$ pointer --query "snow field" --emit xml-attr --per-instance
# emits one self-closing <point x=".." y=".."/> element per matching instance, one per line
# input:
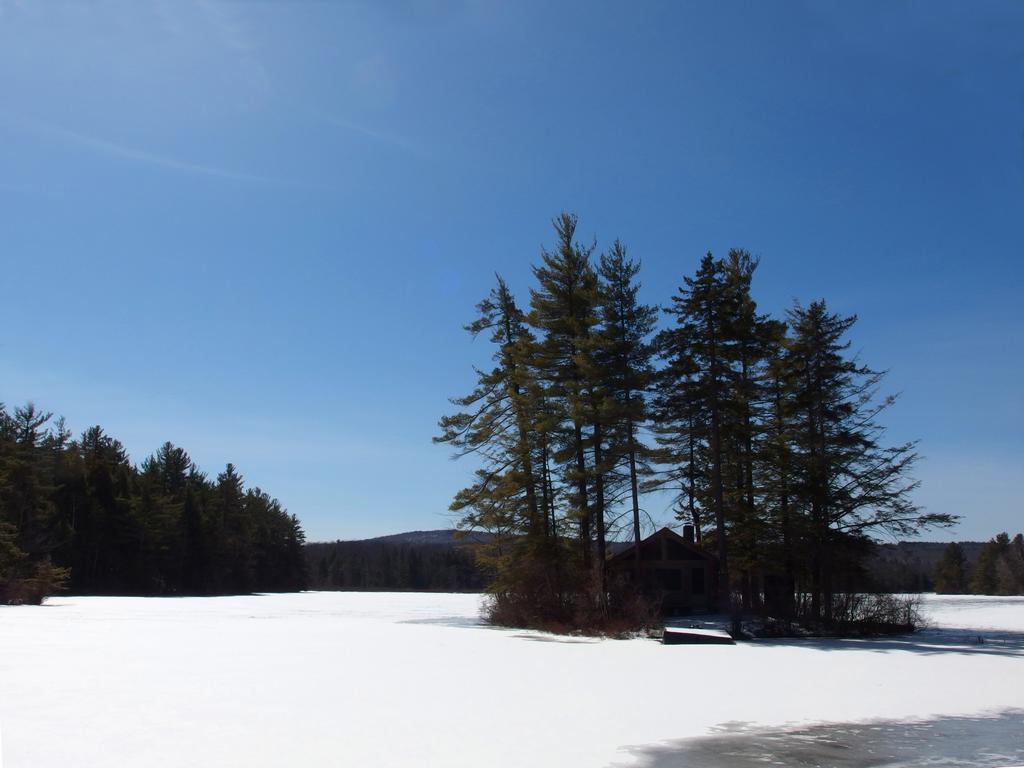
<point x="383" y="679"/>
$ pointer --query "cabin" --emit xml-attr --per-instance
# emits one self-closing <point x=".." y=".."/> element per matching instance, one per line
<point x="672" y="567"/>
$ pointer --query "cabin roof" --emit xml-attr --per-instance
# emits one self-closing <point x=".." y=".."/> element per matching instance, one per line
<point x="627" y="553"/>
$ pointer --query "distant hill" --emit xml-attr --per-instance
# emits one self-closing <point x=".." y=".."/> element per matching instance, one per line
<point x="444" y="536"/>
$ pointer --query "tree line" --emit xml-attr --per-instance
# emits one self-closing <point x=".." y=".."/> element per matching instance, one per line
<point x="77" y="514"/>
<point x="906" y="567"/>
<point x="766" y="431"/>
<point x="381" y="565"/>
<point x="999" y="569"/>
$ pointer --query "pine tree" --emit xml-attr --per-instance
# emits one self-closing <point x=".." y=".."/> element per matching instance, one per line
<point x="753" y="341"/>
<point x="29" y="484"/>
<point x="1010" y="567"/>
<point x="787" y="533"/>
<point x="106" y="536"/>
<point x="623" y="357"/>
<point x="848" y="483"/>
<point x="232" y="525"/>
<point x="697" y="384"/>
<point x="12" y="559"/>
<point x="31" y="529"/>
<point x="193" y="546"/>
<point x="985" y="580"/>
<point x="563" y="309"/>
<point x="951" y="572"/>
<point x="677" y="422"/>
<point x="510" y="496"/>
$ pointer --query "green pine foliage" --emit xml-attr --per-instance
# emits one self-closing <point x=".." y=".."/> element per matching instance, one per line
<point x="556" y="427"/>
<point x="985" y="578"/>
<point x="507" y="425"/>
<point x="623" y="354"/>
<point x="75" y="514"/>
<point x="564" y="314"/>
<point x="768" y="431"/>
<point x="850" y="484"/>
<point x="1011" y="567"/>
<point x="951" y="572"/>
<point x="394" y="567"/>
<point x="713" y="402"/>
<point x="1000" y="567"/>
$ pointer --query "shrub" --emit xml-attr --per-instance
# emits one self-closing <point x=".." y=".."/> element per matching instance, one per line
<point x="877" y="613"/>
<point x="42" y="580"/>
<point x="855" y="614"/>
<point x="627" y="611"/>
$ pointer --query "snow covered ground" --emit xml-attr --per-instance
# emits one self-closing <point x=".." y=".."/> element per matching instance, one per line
<point x="372" y="679"/>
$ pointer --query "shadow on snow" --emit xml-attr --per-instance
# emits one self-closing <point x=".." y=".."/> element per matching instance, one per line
<point x="955" y="741"/>
<point x="927" y="642"/>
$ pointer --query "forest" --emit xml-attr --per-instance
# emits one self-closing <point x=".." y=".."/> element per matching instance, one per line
<point x="406" y="562"/>
<point x="998" y="569"/>
<point x="766" y="431"/>
<point x="77" y="515"/>
<point x="393" y="566"/>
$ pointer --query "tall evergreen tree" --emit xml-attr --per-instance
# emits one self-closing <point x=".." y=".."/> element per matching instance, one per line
<point x="31" y="529"/>
<point x="623" y="356"/>
<point x="563" y="309"/>
<point x="985" y="580"/>
<point x="677" y="422"/>
<point x="1010" y="568"/>
<point x="511" y="497"/>
<point x="232" y="524"/>
<point x="849" y="484"/>
<point x="698" y="351"/>
<point x="788" y="534"/>
<point x="951" y="572"/>
<point x="753" y="338"/>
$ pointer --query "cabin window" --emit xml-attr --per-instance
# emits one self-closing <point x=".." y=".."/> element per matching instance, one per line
<point x="670" y="579"/>
<point x="698" y="581"/>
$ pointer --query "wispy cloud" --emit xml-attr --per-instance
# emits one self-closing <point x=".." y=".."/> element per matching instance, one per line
<point x="230" y="29"/>
<point x="231" y="32"/>
<point x="134" y="154"/>
<point x="382" y="136"/>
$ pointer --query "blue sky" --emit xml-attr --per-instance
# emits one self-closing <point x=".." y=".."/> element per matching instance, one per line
<point x="256" y="228"/>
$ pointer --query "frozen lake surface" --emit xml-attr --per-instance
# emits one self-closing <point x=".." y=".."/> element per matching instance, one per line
<point x="946" y="741"/>
<point x="380" y="679"/>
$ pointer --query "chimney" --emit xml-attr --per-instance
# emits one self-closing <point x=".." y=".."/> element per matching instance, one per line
<point x="688" y="533"/>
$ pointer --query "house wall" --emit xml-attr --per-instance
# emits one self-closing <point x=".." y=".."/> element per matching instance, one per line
<point x="667" y="567"/>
